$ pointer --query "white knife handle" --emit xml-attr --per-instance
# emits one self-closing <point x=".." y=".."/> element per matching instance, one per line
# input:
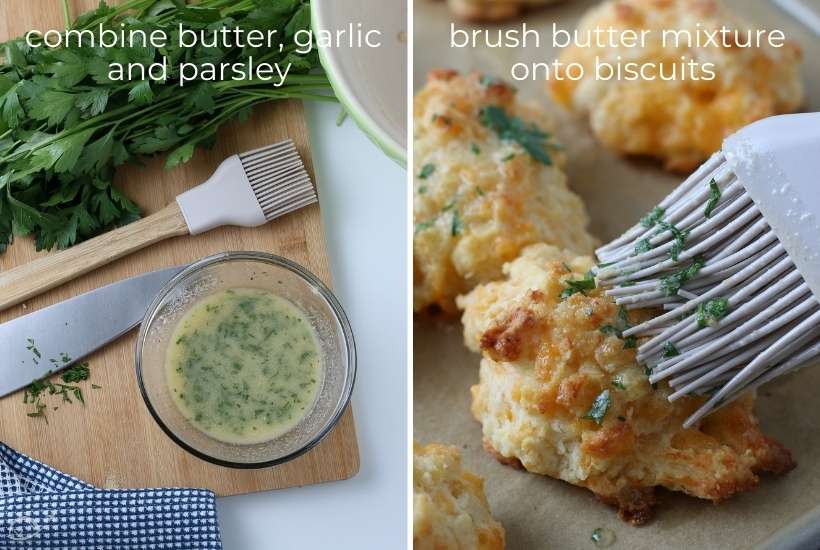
<point x="21" y="283"/>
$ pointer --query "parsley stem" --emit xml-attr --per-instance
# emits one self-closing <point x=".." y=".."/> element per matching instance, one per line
<point x="67" y="14"/>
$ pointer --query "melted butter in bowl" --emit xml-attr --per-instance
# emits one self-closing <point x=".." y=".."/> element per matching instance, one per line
<point x="244" y="366"/>
<point x="246" y="360"/>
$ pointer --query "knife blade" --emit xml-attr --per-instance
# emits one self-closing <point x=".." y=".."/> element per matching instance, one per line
<point x="55" y="337"/>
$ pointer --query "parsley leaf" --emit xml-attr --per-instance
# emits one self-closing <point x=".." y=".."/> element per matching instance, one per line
<point x="621" y="324"/>
<point x="653" y="217"/>
<point x="679" y="236"/>
<point x="671" y="284"/>
<point x="37" y="391"/>
<point x="457" y="224"/>
<point x="599" y="407"/>
<point x="642" y="246"/>
<point x="427" y="170"/>
<point x="711" y="312"/>
<point x="610" y="330"/>
<point x="579" y="285"/>
<point x="76" y="373"/>
<point x="714" y="198"/>
<point x="670" y="350"/>
<point x="423" y="226"/>
<point x="511" y="128"/>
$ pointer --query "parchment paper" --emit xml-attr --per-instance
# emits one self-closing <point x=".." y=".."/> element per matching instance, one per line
<point x="543" y="513"/>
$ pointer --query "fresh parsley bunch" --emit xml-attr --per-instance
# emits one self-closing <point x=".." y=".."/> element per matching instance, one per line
<point x="65" y="126"/>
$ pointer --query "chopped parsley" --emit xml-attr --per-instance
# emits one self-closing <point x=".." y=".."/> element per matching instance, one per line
<point x="610" y="330"/>
<point x="39" y="411"/>
<point x="671" y="284"/>
<point x="653" y="217"/>
<point x="427" y="171"/>
<point x="578" y="286"/>
<point x="33" y="349"/>
<point x="508" y="157"/>
<point x="422" y="189"/>
<point x="38" y="389"/>
<point x="622" y="323"/>
<point x="669" y="350"/>
<point x="599" y="408"/>
<point x="511" y="128"/>
<point x="618" y="382"/>
<point x="648" y="372"/>
<point x="457" y="224"/>
<point x="623" y="317"/>
<point x="76" y="373"/>
<point x="712" y="311"/>
<point x="426" y="224"/>
<point x="679" y="236"/>
<point x="475" y="149"/>
<point x="714" y="198"/>
<point x="642" y="246"/>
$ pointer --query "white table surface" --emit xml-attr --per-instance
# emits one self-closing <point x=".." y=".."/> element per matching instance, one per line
<point x="363" y="196"/>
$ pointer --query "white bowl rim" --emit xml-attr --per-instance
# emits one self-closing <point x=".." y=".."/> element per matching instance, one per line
<point x="348" y="99"/>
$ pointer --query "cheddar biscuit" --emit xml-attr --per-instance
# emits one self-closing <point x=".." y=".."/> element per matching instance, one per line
<point x="561" y="394"/>
<point x="450" y="511"/>
<point x="680" y="121"/>
<point x="488" y="181"/>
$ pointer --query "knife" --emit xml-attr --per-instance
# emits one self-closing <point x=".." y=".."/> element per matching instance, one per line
<point x="55" y="337"/>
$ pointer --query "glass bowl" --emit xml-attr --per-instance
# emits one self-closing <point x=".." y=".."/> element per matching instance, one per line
<point x="285" y="279"/>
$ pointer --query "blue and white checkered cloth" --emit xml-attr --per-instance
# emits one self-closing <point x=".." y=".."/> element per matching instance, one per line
<point x="44" y="509"/>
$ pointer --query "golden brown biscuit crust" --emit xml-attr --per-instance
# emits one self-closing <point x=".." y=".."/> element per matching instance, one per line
<point x="546" y="361"/>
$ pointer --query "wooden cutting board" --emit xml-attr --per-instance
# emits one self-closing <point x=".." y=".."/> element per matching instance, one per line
<point x="113" y="441"/>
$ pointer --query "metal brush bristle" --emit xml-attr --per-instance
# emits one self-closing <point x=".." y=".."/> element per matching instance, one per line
<point x="737" y="311"/>
<point x="278" y="178"/>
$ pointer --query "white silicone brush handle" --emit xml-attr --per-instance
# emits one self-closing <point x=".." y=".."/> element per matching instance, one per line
<point x="227" y="198"/>
<point x="777" y="160"/>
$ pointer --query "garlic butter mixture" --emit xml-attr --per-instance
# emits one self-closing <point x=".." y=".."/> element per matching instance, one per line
<point x="244" y="366"/>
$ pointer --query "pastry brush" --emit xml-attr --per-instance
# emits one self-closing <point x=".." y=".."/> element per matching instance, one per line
<point x="246" y="190"/>
<point x="732" y="256"/>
